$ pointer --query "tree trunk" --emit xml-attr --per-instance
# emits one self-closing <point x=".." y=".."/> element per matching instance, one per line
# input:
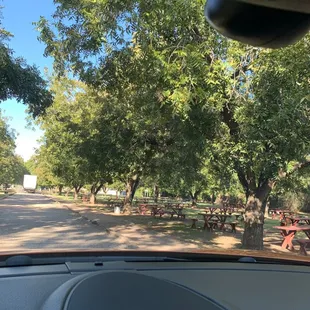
<point x="92" y="198"/>
<point x="194" y="197"/>
<point x="156" y="193"/>
<point x="76" y="193"/>
<point x="253" y="225"/>
<point x="254" y="217"/>
<point x="60" y="187"/>
<point x="77" y="189"/>
<point x="95" y="188"/>
<point x="267" y="209"/>
<point x="213" y="198"/>
<point x="131" y="187"/>
<point x="135" y="187"/>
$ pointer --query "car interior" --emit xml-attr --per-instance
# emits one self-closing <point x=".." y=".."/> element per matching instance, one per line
<point x="150" y="281"/>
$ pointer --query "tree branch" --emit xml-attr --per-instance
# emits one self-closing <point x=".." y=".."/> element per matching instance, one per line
<point x="228" y="119"/>
<point x="99" y="188"/>
<point x="242" y="178"/>
<point x="296" y="167"/>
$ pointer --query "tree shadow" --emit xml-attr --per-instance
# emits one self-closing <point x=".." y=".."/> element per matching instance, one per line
<point x="31" y="222"/>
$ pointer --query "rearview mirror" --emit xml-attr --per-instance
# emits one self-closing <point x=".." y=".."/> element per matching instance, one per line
<point x="259" y="25"/>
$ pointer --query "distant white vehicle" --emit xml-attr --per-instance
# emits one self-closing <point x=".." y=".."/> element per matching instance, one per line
<point x="112" y="192"/>
<point x="30" y="183"/>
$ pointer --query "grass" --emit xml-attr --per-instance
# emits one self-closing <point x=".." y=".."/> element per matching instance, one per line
<point x="64" y="197"/>
<point x="270" y="223"/>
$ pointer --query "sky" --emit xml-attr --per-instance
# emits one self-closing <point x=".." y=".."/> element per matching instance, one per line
<point x="18" y="16"/>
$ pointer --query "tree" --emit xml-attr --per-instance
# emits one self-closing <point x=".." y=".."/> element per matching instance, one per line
<point x="12" y="166"/>
<point x="249" y="105"/>
<point x="267" y="127"/>
<point x="39" y="165"/>
<point x="19" y="80"/>
<point x="19" y="169"/>
<point x="158" y="117"/>
<point x="71" y="136"/>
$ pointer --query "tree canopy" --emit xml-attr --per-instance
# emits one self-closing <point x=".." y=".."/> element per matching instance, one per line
<point x="12" y="168"/>
<point x="178" y="94"/>
<point x="21" y="81"/>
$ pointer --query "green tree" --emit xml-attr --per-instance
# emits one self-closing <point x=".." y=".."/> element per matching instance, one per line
<point x="71" y="136"/>
<point x="12" y="166"/>
<point x="19" y="80"/>
<point x="251" y="105"/>
<point x="39" y="165"/>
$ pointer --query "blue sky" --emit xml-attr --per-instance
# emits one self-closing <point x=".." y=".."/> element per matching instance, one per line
<point x="18" y="16"/>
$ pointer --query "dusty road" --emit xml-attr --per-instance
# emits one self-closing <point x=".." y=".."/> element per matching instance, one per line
<point x="32" y="221"/>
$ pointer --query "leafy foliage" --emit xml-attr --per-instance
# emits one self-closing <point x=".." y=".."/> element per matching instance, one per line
<point x="21" y="81"/>
<point x="12" y="166"/>
<point x="178" y="95"/>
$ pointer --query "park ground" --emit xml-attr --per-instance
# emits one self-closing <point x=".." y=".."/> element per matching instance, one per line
<point x="34" y="222"/>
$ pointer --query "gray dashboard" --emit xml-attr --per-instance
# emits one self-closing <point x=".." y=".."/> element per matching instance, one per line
<point x="156" y="285"/>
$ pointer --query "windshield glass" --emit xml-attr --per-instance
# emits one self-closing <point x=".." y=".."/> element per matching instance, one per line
<point x="134" y="125"/>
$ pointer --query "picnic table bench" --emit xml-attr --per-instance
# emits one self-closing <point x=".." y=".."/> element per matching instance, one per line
<point x="288" y="233"/>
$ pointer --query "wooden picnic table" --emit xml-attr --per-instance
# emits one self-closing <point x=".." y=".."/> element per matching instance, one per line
<point x="207" y="220"/>
<point x="288" y="233"/>
<point x="222" y="219"/>
<point x="143" y="208"/>
<point x="297" y="219"/>
<point x="175" y="209"/>
<point x="280" y="212"/>
<point x="214" y="219"/>
<point x="212" y="209"/>
<point x="156" y="210"/>
<point x="223" y="210"/>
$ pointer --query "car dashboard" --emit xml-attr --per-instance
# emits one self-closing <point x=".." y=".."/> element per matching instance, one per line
<point x="154" y="285"/>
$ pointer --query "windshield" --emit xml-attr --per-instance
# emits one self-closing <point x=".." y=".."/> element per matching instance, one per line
<point x="134" y="125"/>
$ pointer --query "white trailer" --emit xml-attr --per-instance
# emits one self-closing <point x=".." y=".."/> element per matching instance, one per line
<point x="30" y="183"/>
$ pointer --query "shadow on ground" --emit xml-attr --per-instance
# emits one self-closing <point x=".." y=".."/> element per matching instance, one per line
<point x="36" y="222"/>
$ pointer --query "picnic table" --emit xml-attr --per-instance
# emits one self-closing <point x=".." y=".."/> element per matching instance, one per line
<point x="221" y="209"/>
<point x="156" y="210"/>
<point x="217" y="209"/>
<point x="208" y="223"/>
<point x="212" y="220"/>
<point x="280" y="212"/>
<point x="211" y="209"/>
<point x="297" y="219"/>
<point x="288" y="233"/>
<point x="175" y="209"/>
<point x="143" y="208"/>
